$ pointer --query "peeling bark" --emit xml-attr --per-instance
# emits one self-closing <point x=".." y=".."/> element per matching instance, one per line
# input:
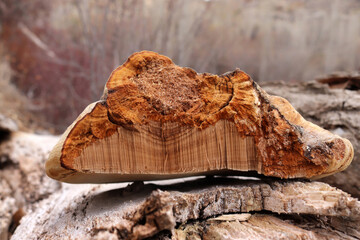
<point x="143" y="211"/>
<point x="262" y="226"/>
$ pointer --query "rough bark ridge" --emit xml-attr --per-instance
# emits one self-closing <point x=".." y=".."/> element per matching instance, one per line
<point x="166" y="211"/>
<point x="334" y="109"/>
<point x="150" y="99"/>
<point x="261" y="226"/>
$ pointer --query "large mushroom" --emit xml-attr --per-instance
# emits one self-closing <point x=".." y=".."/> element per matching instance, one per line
<point x="157" y="120"/>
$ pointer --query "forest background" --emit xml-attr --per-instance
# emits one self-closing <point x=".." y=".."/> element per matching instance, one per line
<point x="55" y="56"/>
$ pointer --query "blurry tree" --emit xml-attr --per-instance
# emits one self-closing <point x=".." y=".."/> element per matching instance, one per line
<point x="50" y="76"/>
<point x="62" y="52"/>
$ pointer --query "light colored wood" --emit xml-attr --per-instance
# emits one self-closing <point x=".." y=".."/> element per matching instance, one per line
<point x="259" y="227"/>
<point x="171" y="148"/>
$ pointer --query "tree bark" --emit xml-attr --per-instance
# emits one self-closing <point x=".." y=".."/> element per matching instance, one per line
<point x="22" y="175"/>
<point x="185" y="209"/>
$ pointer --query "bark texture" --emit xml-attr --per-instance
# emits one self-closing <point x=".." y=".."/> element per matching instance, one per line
<point x="262" y="226"/>
<point x="336" y="110"/>
<point x="187" y="209"/>
<point x="22" y="178"/>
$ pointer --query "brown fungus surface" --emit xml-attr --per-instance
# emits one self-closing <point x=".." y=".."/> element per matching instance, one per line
<point x="157" y="120"/>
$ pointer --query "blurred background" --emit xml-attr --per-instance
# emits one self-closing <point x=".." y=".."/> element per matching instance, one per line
<point x="55" y="56"/>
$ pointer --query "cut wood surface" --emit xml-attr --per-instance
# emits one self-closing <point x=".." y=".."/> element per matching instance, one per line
<point x="185" y="208"/>
<point x="157" y="120"/>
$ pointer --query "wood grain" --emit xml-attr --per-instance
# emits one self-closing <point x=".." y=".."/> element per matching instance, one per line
<point x="157" y="120"/>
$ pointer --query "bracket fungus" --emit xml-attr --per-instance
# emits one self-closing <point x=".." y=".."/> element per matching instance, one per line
<point x="157" y="120"/>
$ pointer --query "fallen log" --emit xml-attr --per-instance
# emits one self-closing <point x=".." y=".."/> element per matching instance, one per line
<point x="342" y="80"/>
<point x="184" y="207"/>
